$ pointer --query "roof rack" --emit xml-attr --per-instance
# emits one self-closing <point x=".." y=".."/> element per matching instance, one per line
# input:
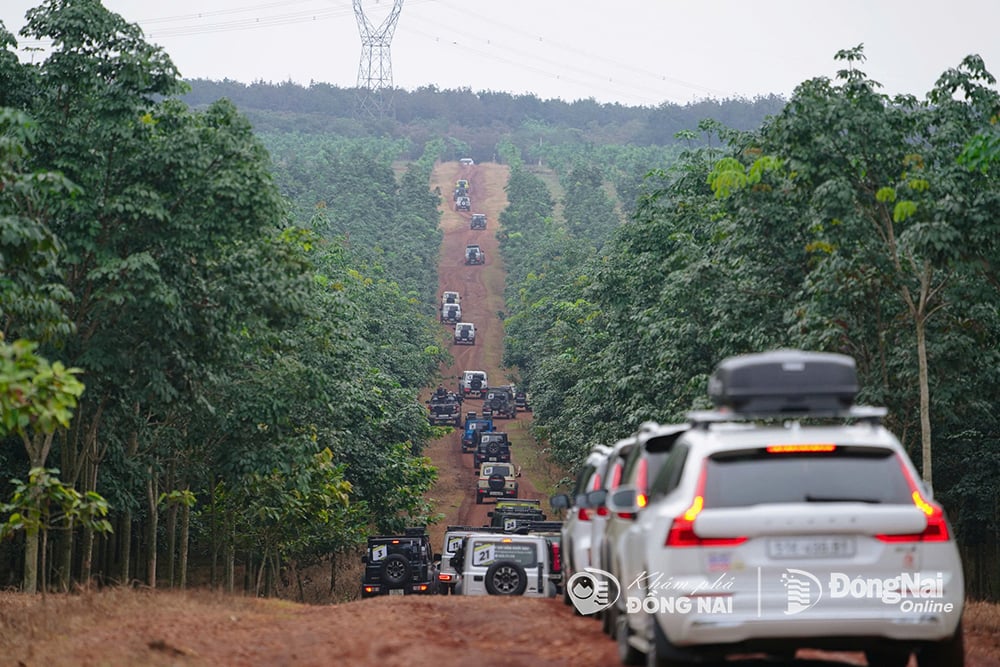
<point x="860" y="413"/>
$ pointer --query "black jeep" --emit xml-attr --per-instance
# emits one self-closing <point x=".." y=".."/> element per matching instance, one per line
<point x="400" y="565"/>
<point x="445" y="409"/>
<point x="492" y="446"/>
<point x="499" y="402"/>
<point x="509" y="515"/>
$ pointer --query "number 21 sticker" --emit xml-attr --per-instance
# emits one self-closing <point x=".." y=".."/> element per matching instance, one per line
<point x="483" y="554"/>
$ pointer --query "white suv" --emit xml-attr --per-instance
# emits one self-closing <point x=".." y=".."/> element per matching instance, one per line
<point x="495" y="564"/>
<point x="788" y="518"/>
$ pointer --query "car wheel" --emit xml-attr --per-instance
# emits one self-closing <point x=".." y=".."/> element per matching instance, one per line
<point x="877" y="658"/>
<point x="609" y="621"/>
<point x="493" y="448"/>
<point x="506" y="577"/>
<point x="659" y="644"/>
<point x="628" y="654"/>
<point x="948" y="652"/>
<point x="395" y="570"/>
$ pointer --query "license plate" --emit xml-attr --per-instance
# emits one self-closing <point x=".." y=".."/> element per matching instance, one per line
<point x="395" y="591"/>
<point x="812" y="547"/>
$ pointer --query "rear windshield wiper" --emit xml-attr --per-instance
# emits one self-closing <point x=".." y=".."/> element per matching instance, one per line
<point x="836" y="499"/>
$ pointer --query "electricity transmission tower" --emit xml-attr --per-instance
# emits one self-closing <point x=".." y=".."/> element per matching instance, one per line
<point x="375" y="71"/>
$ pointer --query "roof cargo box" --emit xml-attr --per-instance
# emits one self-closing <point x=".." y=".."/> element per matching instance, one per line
<point x="785" y="381"/>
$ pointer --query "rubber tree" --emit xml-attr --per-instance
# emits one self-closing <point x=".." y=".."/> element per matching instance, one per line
<point x="888" y="201"/>
<point x="37" y="398"/>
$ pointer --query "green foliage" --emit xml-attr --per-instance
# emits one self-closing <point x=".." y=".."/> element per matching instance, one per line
<point x="35" y="396"/>
<point x="44" y="503"/>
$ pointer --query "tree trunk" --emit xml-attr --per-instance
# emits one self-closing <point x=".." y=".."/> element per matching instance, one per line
<point x="185" y="532"/>
<point x="30" y="582"/>
<point x="925" y="403"/>
<point x="171" y="542"/>
<point x="230" y="565"/>
<point x="125" y="537"/>
<point x="151" y="497"/>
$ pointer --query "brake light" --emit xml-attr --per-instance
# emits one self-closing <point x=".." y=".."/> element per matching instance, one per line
<point x="444" y="577"/>
<point x="602" y="511"/>
<point x="937" y="526"/>
<point x="616" y="476"/>
<point x="369" y="589"/>
<point x="556" y="565"/>
<point x="422" y="587"/>
<point x="583" y="514"/>
<point x="681" y="533"/>
<point x="800" y="449"/>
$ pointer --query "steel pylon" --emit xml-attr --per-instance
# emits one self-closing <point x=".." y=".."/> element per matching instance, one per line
<point x="375" y="70"/>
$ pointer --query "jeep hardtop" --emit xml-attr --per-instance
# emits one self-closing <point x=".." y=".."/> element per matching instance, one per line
<point x="399" y="565"/>
<point x="493" y="446"/>
<point x="497" y="480"/>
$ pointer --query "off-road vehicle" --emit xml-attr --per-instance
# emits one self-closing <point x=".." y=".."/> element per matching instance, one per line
<point x="478" y="221"/>
<point x="474" y="427"/>
<point x="463" y="203"/>
<point x="492" y="446"/>
<point x="499" y="402"/>
<point x="454" y="536"/>
<point x="497" y="480"/>
<point x="515" y="513"/>
<point x="451" y="312"/>
<point x="445" y="409"/>
<point x="521" y="401"/>
<point x="467" y="162"/>
<point x="462" y="184"/>
<point x="474" y="254"/>
<point x="465" y="333"/>
<point x="449" y="296"/>
<point x="400" y="565"/>
<point x="473" y="384"/>
<point x="493" y="564"/>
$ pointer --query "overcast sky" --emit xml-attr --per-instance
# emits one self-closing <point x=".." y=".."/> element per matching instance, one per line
<point x="637" y="52"/>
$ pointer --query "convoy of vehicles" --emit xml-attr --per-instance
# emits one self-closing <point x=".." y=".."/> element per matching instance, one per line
<point x="786" y="518"/>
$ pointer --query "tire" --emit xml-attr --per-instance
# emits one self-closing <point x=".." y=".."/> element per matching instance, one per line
<point x="506" y="577"/>
<point x="493" y="448"/>
<point x="948" y="652"/>
<point x="479" y="499"/>
<point x="396" y="570"/>
<point x="659" y="644"/>
<point x="609" y="621"/>
<point x="878" y="658"/>
<point x="496" y="482"/>
<point x="628" y="654"/>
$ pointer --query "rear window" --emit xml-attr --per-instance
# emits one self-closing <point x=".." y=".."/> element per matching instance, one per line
<point x="846" y="474"/>
<point x="485" y="553"/>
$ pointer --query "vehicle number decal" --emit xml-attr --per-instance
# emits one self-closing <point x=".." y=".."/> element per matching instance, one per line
<point x="483" y="554"/>
<point x="454" y="544"/>
<point x="379" y="552"/>
<point x="509" y="524"/>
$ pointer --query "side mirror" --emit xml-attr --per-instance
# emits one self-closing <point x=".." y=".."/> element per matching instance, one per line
<point x="624" y="500"/>
<point x="597" y="497"/>
<point x="560" y="501"/>
<point x="518" y="473"/>
<point x="364" y="559"/>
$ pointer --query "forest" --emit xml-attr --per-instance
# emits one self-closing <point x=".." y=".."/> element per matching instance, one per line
<point x="217" y="299"/>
